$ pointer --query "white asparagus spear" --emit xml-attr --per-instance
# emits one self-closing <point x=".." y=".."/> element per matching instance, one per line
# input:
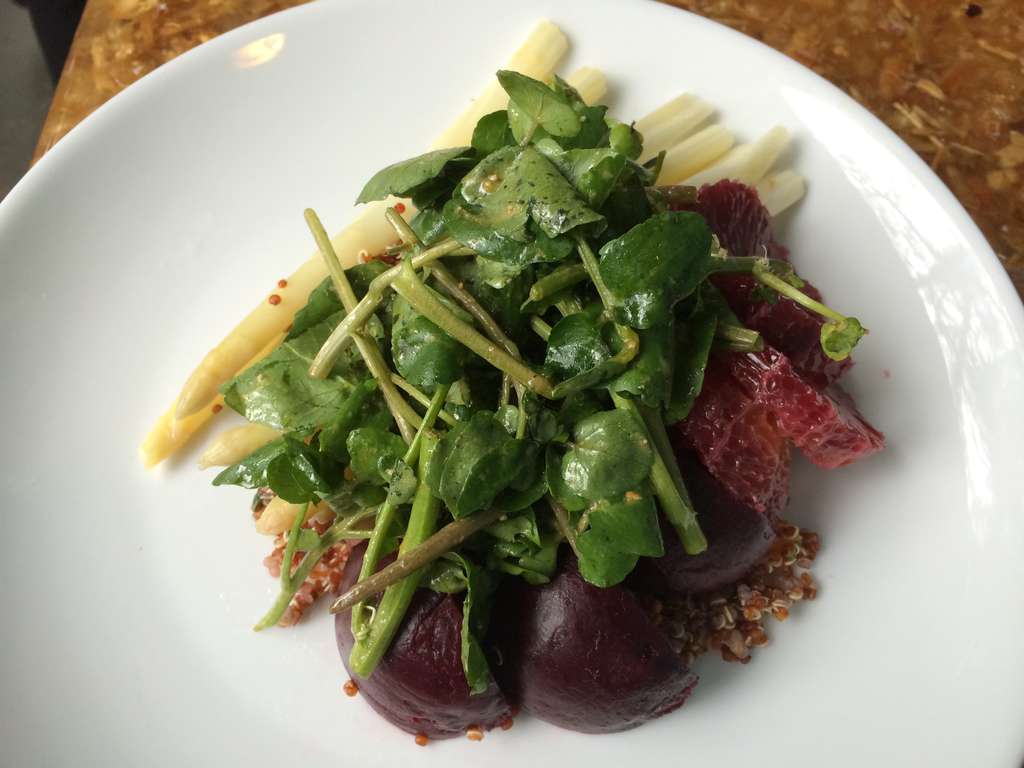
<point x="747" y="163"/>
<point x="233" y="445"/>
<point x="671" y="123"/>
<point x="590" y="83"/>
<point x="781" y="190"/>
<point x="695" y="153"/>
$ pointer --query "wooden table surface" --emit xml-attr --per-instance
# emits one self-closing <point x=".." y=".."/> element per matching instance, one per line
<point x="946" y="76"/>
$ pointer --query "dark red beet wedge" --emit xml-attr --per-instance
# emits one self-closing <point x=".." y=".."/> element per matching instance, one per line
<point x="582" y="657"/>
<point x="738" y="538"/>
<point x="824" y="424"/>
<point x="738" y="441"/>
<point x="419" y="685"/>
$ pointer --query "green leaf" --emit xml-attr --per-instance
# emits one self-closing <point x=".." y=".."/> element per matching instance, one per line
<point x="446" y="576"/>
<point x="625" y="139"/>
<point x="628" y="522"/>
<point x="839" y="337"/>
<point x="294" y="475"/>
<point x="610" y="454"/>
<point x="504" y="303"/>
<point x="601" y="565"/>
<point x="626" y="206"/>
<point x="592" y="172"/>
<point x="363" y="407"/>
<point x="423" y="353"/>
<point x="492" y="132"/>
<point x="410" y="177"/>
<point x="279" y="392"/>
<point x="323" y="300"/>
<point x="654" y="265"/>
<point x="515" y="184"/>
<point x="428" y="224"/>
<point x="576" y="345"/>
<point x="373" y="451"/>
<point x="401" y="480"/>
<point x="593" y="126"/>
<point x="537" y="104"/>
<point x="529" y="485"/>
<point x="473" y="231"/>
<point x="649" y="377"/>
<point x="557" y="486"/>
<point x="476" y="613"/>
<point x="519" y="547"/>
<point x="251" y="472"/>
<point x="693" y="346"/>
<point x="473" y="463"/>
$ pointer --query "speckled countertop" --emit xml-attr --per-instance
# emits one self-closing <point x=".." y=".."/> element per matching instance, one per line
<point x="947" y="76"/>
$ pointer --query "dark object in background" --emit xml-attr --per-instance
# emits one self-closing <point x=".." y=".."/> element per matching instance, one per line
<point x="54" y="22"/>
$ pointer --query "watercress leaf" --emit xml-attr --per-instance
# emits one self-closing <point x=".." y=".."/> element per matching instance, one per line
<point x="626" y="206"/>
<point x="402" y="179"/>
<point x="251" y="472"/>
<point x="625" y="139"/>
<point x="279" y="392"/>
<point x="542" y="424"/>
<point x="504" y="303"/>
<point x="322" y="303"/>
<point x="529" y="485"/>
<point x="654" y="265"/>
<point x="294" y="476"/>
<point x="308" y="540"/>
<point x="370" y="448"/>
<point x="561" y="492"/>
<point x="363" y="407"/>
<point x="521" y="527"/>
<point x="480" y="458"/>
<point x="476" y="613"/>
<point x="578" y="406"/>
<point x="497" y="275"/>
<point x="601" y="564"/>
<point x="693" y="345"/>
<point x="508" y="415"/>
<point x="575" y="346"/>
<point x="473" y="231"/>
<point x="839" y="337"/>
<point x="592" y="172"/>
<point x="401" y="480"/>
<point x="428" y="224"/>
<point x="492" y="132"/>
<point x="515" y="184"/>
<point x="610" y="454"/>
<point x="593" y="128"/>
<point x="423" y="353"/>
<point x="446" y="576"/>
<point x="649" y="376"/>
<point x="629" y="523"/>
<point x="541" y="104"/>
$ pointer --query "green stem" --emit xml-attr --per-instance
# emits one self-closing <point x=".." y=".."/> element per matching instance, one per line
<point x="422" y="299"/>
<point x="368" y="651"/>
<point x="421" y="398"/>
<point x="489" y="325"/>
<point x="568" y="305"/>
<point x="549" y="285"/>
<point x="564" y="526"/>
<point x="667" y="479"/>
<point x="539" y="327"/>
<point x="405" y="418"/>
<point x="341" y="336"/>
<point x="739" y="338"/>
<point x="766" y="277"/>
<point x="340" y="531"/>
<point x="386" y="513"/>
<point x="629" y="338"/>
<point x="445" y="540"/>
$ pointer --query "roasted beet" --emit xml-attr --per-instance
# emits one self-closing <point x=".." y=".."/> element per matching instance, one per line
<point x="738" y="538"/>
<point x="582" y="657"/>
<point x="419" y="685"/>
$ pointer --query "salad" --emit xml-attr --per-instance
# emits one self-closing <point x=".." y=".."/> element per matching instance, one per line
<point x="536" y="441"/>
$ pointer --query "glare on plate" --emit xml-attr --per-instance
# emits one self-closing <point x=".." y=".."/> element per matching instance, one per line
<point x="259" y="51"/>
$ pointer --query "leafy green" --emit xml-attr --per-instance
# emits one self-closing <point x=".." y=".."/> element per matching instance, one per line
<point x="295" y="474"/>
<point x="251" y="472"/>
<point x="532" y="104"/>
<point x="592" y="172"/>
<point x="476" y="614"/>
<point x="575" y="345"/>
<point x="416" y="177"/>
<point x="620" y="530"/>
<point x="473" y="463"/>
<point x="654" y="265"/>
<point x="492" y="132"/>
<point x="519" y="547"/>
<point x="625" y="139"/>
<point x="428" y="224"/>
<point x="504" y="304"/>
<point x="649" y="378"/>
<point x="610" y="454"/>
<point x="279" y="392"/>
<point x="514" y="184"/>
<point x="839" y="337"/>
<point x="593" y="128"/>
<point x="401" y="480"/>
<point x="373" y="452"/>
<point x="557" y="486"/>
<point x="693" y="345"/>
<point x="323" y="301"/>
<point x="529" y="484"/>
<point x="423" y="353"/>
<point x="363" y="407"/>
<point x="472" y="231"/>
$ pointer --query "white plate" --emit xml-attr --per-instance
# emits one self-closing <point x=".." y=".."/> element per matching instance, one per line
<point x="139" y="240"/>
